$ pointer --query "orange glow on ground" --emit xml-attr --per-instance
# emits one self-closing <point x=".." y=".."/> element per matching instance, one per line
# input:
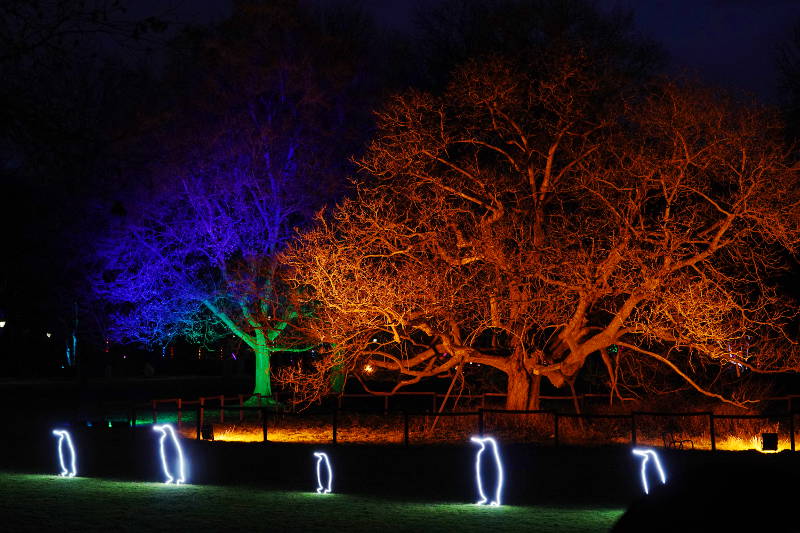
<point x="739" y="444"/>
<point x="310" y="435"/>
<point x="306" y="431"/>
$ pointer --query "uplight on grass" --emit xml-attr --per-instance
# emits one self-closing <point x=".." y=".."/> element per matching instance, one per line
<point x="168" y="430"/>
<point x="63" y="437"/>
<point x="478" y="476"/>
<point x="323" y="487"/>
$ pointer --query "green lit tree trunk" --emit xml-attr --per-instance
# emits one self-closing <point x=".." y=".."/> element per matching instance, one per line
<point x="262" y="342"/>
<point x="263" y="385"/>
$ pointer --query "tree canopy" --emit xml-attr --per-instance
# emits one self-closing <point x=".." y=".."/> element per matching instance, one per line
<point x="247" y="158"/>
<point x="530" y="222"/>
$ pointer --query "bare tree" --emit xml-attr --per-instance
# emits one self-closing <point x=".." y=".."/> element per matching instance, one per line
<point x="528" y="224"/>
<point x="241" y="161"/>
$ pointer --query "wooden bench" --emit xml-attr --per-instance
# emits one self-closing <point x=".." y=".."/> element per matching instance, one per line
<point x="671" y="442"/>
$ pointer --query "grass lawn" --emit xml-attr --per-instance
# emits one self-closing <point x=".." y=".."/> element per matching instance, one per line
<point x="51" y="503"/>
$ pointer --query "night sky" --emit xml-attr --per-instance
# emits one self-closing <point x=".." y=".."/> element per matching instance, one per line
<point x="731" y="43"/>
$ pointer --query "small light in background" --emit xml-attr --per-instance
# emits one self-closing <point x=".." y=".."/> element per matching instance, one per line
<point x="369" y="369"/>
<point x="49" y="334"/>
<point x="2" y="323"/>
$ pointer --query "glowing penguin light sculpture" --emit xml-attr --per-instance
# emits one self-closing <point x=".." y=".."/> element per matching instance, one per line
<point x="323" y="488"/>
<point x="63" y="437"/>
<point x="167" y="430"/>
<point x="646" y="454"/>
<point x="482" y="441"/>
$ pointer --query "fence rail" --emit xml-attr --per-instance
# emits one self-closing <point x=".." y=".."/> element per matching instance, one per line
<point x="554" y="431"/>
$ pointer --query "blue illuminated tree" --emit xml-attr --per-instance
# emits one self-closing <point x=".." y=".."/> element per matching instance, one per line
<point x="197" y="260"/>
<point x="237" y="169"/>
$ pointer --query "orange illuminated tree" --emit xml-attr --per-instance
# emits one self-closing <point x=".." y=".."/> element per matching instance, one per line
<point x="530" y="223"/>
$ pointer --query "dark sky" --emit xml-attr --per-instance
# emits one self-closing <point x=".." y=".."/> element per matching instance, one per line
<point x="725" y="42"/>
<point x="730" y="43"/>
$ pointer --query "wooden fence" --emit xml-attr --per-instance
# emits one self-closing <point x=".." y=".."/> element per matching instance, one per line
<point x="221" y="404"/>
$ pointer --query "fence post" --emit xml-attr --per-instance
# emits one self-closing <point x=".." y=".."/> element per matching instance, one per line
<point x="202" y="413"/>
<point x="155" y="412"/>
<point x="385" y="405"/>
<point x="180" y="412"/>
<point x="198" y="421"/>
<point x="221" y="408"/>
<point x="405" y="428"/>
<point x="633" y="429"/>
<point x="241" y="404"/>
<point x="480" y="422"/>
<point x="264" y="424"/>
<point x="555" y="429"/>
<point x="433" y="399"/>
<point x="791" y="431"/>
<point x="133" y="420"/>
<point x="712" y="431"/>
<point x="334" y="424"/>
<point x="483" y="401"/>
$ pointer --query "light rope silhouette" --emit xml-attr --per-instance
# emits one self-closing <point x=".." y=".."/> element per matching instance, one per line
<point x="646" y="454"/>
<point x="63" y="436"/>
<point x="478" y="478"/>
<point x="321" y="489"/>
<point x="168" y="430"/>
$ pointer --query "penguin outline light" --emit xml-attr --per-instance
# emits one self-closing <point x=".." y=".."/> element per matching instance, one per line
<point x="646" y="454"/>
<point x="321" y="489"/>
<point x="482" y="441"/>
<point x="63" y="436"/>
<point x="165" y="429"/>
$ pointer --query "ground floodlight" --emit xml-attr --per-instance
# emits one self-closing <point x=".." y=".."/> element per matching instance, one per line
<point x="769" y="442"/>
<point x="323" y="488"/>
<point x="168" y="430"/>
<point x="646" y="454"/>
<point x="478" y="478"/>
<point x="63" y="437"/>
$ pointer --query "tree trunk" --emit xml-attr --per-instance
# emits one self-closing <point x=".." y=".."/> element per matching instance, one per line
<point x="523" y="390"/>
<point x="263" y="386"/>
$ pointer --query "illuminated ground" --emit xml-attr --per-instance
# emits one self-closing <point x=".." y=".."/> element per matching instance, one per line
<point x="379" y="429"/>
<point x="50" y="503"/>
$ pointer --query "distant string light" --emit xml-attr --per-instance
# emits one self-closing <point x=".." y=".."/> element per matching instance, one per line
<point x="478" y="478"/>
<point x="321" y="487"/>
<point x="166" y="430"/>
<point x="63" y="436"/>
<point x="646" y="454"/>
